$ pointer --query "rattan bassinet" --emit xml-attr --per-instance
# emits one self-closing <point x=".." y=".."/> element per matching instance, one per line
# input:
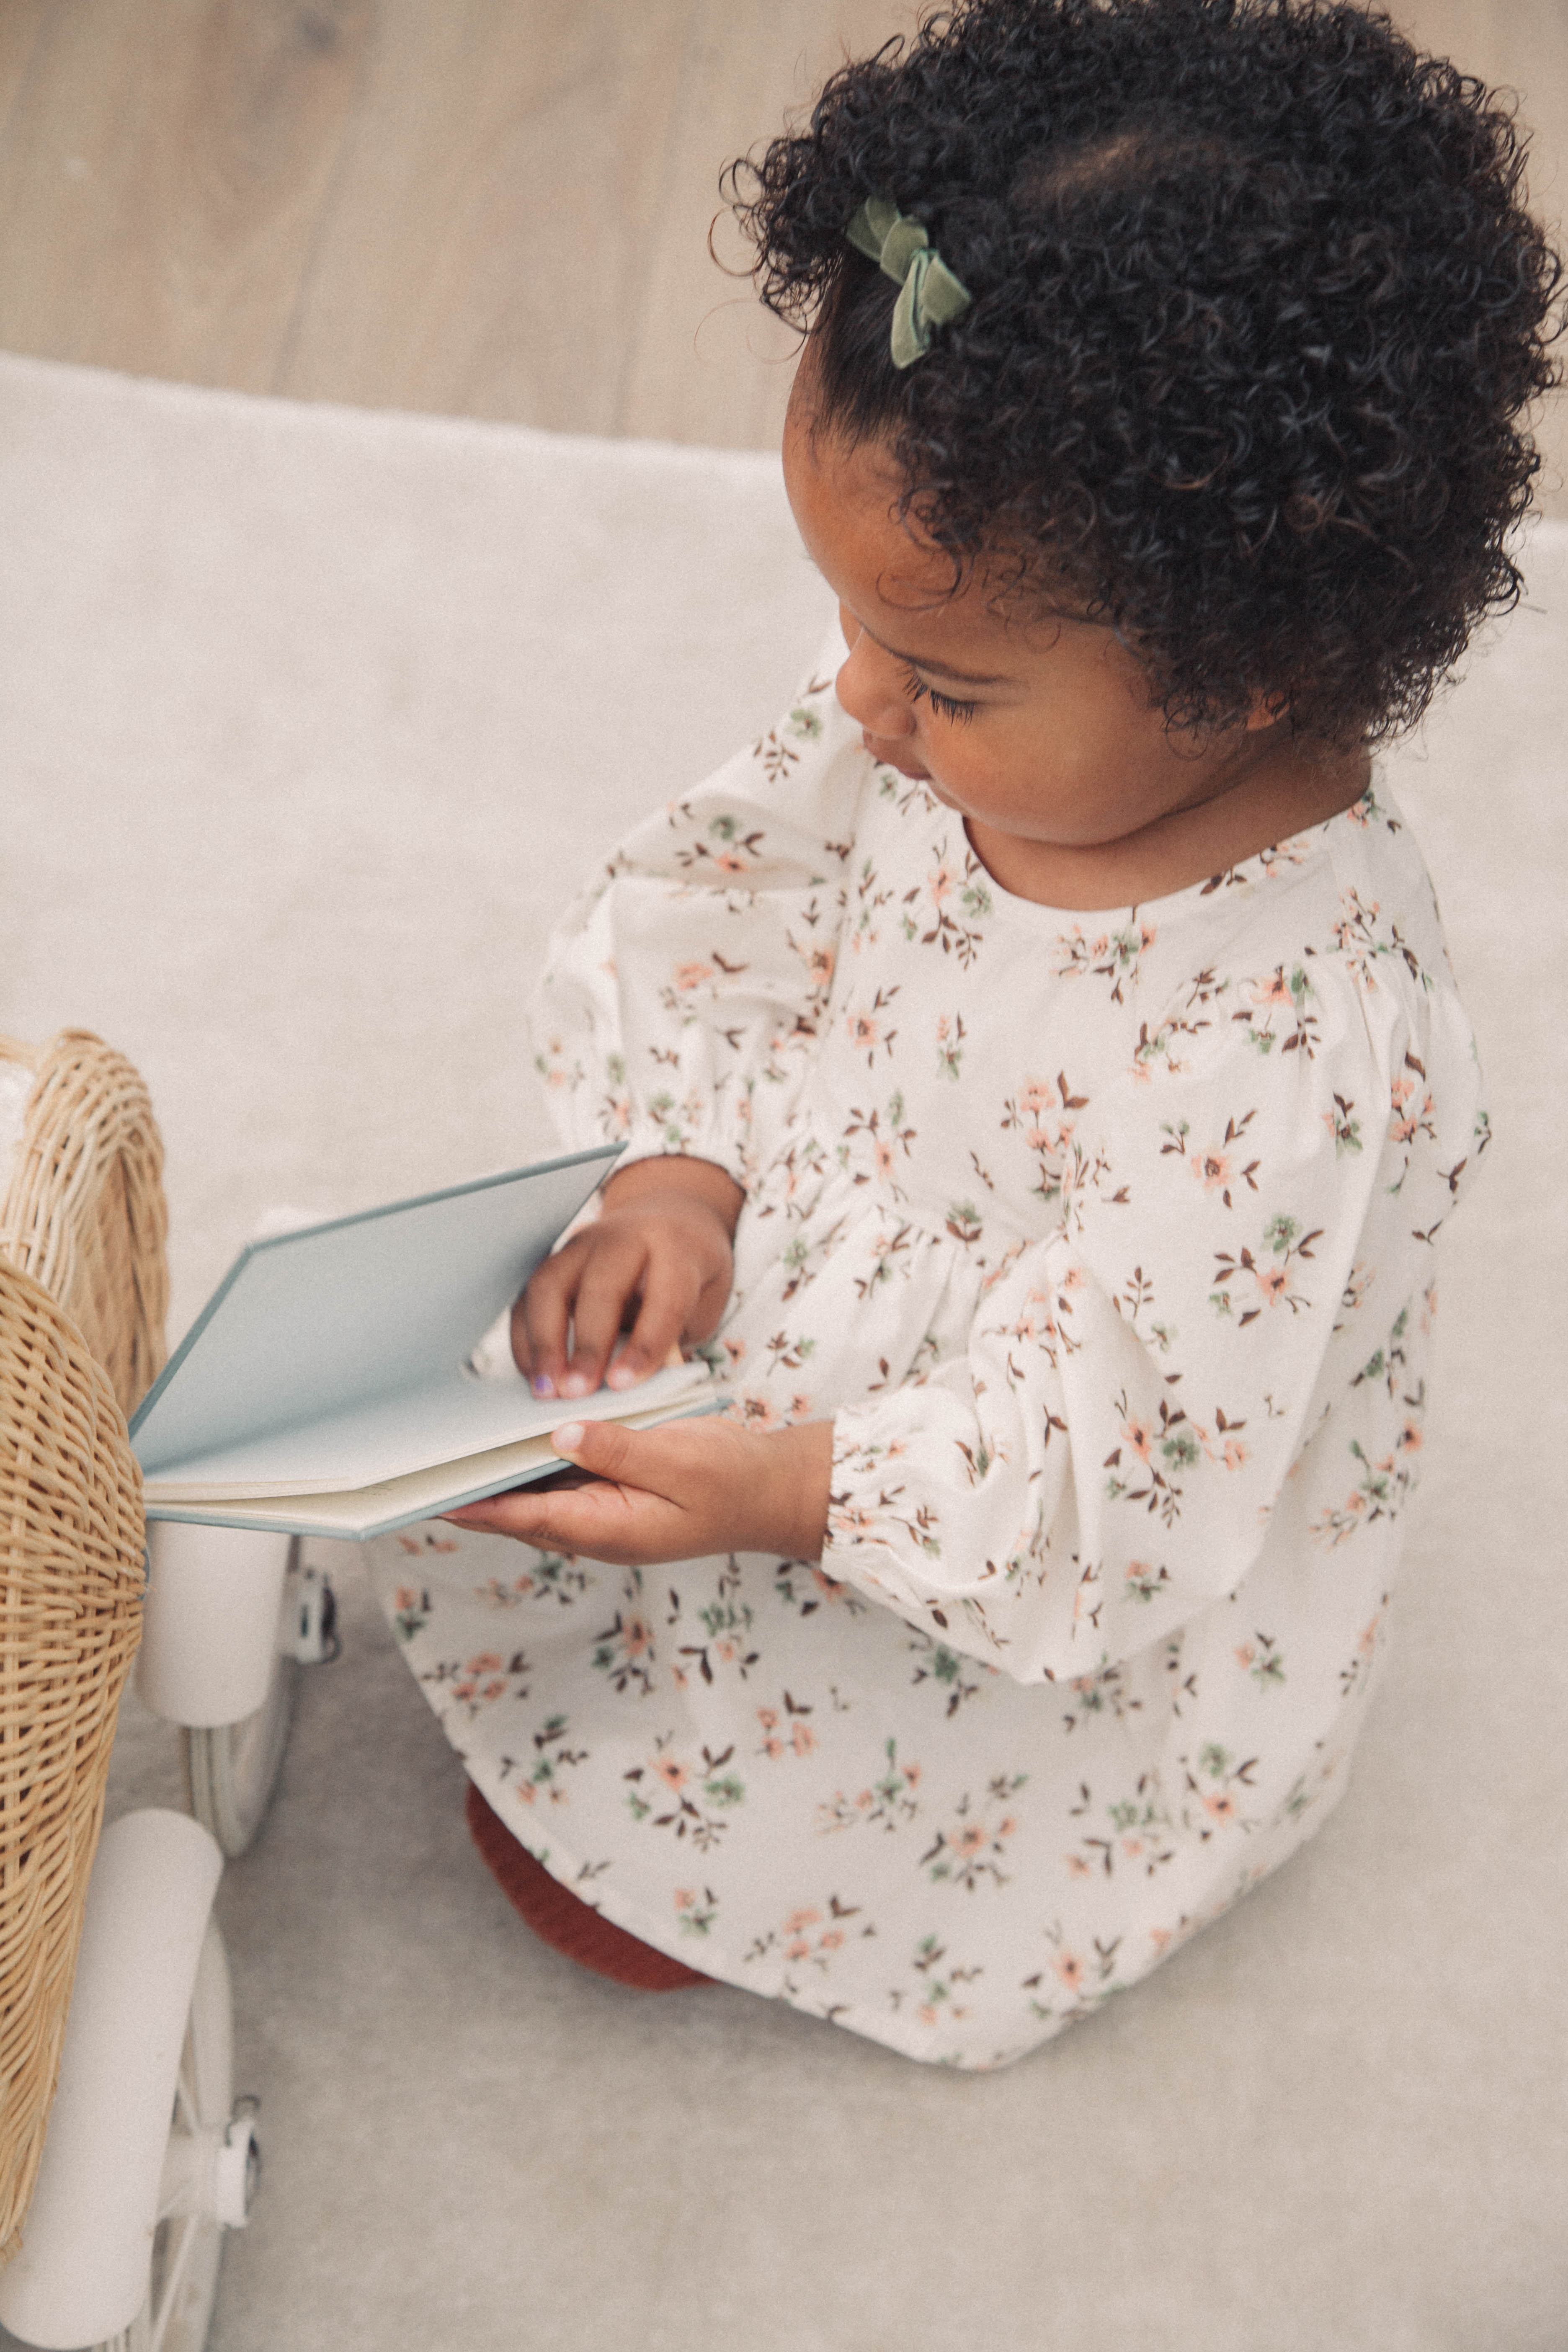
<point x="83" y="1287"/>
<point x="83" y="1212"/>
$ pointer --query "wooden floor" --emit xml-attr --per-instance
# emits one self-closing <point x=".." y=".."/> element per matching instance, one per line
<point x="490" y="208"/>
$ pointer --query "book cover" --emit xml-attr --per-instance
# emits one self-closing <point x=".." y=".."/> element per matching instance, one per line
<point x="338" y="1382"/>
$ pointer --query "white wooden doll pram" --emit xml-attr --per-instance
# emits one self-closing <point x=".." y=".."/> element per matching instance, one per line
<point x="113" y="2201"/>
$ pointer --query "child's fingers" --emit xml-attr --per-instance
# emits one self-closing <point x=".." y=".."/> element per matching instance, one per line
<point x="651" y="1461"/>
<point x="542" y="1316"/>
<point x="611" y="1275"/>
<point x="599" y="1518"/>
<point x="678" y="1492"/>
<point x="522" y="1352"/>
<point x="582" y="1290"/>
<point x="615" y="1273"/>
<point x="709" y="1312"/>
<point x="671" y="1286"/>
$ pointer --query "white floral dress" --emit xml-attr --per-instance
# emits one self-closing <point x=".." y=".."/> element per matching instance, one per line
<point x="1107" y="1241"/>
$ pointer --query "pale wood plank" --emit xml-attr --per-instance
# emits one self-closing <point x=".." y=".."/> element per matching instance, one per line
<point x="162" y="183"/>
<point x="21" y="25"/>
<point x="517" y="225"/>
<point x="708" y="363"/>
<point x="489" y="234"/>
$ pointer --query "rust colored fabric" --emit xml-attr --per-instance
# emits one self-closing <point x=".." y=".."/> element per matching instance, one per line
<point x="562" y="1920"/>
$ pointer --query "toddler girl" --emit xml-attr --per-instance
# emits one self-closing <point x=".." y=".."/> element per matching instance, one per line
<point x="1042" y="1077"/>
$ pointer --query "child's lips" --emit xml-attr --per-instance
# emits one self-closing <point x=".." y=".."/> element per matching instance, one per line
<point x="884" y="754"/>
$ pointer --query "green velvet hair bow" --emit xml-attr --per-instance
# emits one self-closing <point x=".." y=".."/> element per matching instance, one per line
<point x="929" y="293"/>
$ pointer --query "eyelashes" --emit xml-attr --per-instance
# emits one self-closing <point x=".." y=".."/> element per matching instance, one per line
<point x="945" y="706"/>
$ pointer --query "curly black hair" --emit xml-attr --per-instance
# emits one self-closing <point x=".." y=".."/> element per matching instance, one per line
<point x="1258" y="313"/>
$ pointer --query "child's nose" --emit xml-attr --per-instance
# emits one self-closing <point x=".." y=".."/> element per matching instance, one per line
<point x="869" y="687"/>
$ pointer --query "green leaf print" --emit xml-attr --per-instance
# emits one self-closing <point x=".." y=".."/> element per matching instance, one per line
<point x="1262" y="1659"/>
<point x="1343" y="1126"/>
<point x="683" y="1798"/>
<point x="695" y="1913"/>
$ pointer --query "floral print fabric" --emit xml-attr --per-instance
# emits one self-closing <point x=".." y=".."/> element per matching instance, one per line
<point x="1107" y="1241"/>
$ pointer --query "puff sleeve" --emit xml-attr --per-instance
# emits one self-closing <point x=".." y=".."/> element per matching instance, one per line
<point x="685" y="990"/>
<point x="1105" y="1458"/>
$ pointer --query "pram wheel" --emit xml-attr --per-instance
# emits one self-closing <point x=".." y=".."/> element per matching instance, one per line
<point x="188" y="2245"/>
<point x="148" y="2158"/>
<point x="231" y="1769"/>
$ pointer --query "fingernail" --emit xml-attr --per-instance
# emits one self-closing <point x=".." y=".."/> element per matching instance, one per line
<point x="575" y="1384"/>
<point x="544" y="1385"/>
<point x="621" y="1376"/>
<point x="568" y="1437"/>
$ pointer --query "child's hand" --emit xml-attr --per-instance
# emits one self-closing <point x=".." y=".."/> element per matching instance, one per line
<point x="678" y="1492"/>
<point x="661" y="1241"/>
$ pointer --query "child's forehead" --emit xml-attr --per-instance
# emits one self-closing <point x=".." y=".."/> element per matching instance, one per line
<point x="908" y="593"/>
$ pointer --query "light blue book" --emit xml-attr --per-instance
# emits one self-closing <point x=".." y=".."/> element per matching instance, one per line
<point x="336" y="1382"/>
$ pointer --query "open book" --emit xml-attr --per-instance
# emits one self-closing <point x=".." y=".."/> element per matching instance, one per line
<point x="337" y="1381"/>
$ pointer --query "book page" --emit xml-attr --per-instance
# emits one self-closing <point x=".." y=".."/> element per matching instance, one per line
<point x="399" y="1502"/>
<point x="420" y="1429"/>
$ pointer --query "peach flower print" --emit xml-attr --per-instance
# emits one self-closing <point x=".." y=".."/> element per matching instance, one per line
<point x="473" y="1684"/>
<point x="1404" y="1123"/>
<point x="688" y="976"/>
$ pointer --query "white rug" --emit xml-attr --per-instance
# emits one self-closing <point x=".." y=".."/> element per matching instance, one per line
<point x="310" y="720"/>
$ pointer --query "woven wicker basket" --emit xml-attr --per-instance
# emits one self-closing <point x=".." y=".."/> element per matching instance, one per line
<point x="71" y="1557"/>
<point x="84" y="1212"/>
<point x="83" y="1292"/>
